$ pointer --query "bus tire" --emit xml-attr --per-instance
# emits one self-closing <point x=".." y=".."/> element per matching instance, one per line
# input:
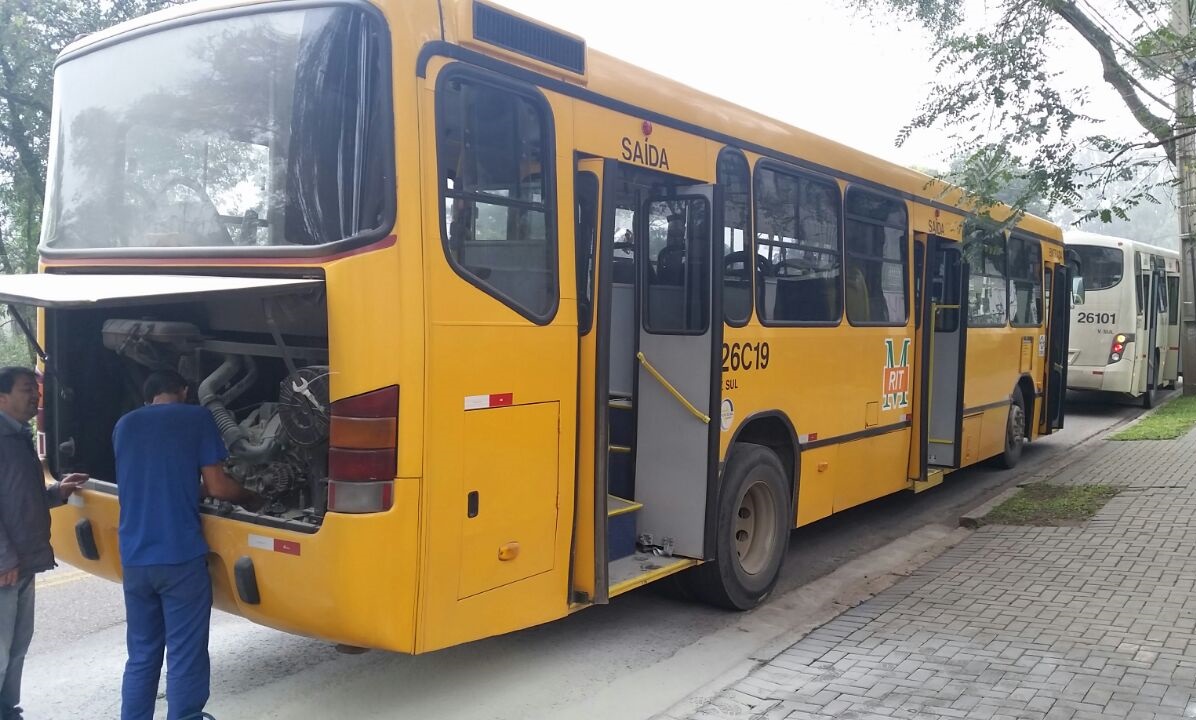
<point x="1015" y="432"/>
<point x="752" y="533"/>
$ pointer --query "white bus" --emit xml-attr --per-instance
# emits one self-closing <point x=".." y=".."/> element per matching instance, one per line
<point x="1125" y="316"/>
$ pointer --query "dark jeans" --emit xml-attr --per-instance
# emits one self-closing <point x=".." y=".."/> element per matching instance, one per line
<point x="16" y="630"/>
<point x="169" y="607"/>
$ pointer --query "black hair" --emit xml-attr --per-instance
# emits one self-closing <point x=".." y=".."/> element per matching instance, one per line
<point x="10" y="374"/>
<point x="162" y="381"/>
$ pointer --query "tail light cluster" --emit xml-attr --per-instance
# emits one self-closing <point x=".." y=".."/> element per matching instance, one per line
<point x="362" y="453"/>
<point x="1117" y="347"/>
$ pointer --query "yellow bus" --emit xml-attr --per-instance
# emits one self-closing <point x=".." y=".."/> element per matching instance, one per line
<point x="502" y="326"/>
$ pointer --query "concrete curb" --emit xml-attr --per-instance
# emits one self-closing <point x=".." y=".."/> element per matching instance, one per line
<point x="972" y="518"/>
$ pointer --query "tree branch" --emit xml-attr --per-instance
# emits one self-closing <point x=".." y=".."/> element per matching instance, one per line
<point x="1116" y="75"/>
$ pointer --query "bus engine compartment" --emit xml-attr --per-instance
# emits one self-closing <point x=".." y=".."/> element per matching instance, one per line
<point x="258" y="364"/>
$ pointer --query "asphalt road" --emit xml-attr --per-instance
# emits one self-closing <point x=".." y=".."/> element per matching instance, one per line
<point x="74" y="668"/>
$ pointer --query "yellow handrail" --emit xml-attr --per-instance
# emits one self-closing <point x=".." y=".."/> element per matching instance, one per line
<point x="667" y="386"/>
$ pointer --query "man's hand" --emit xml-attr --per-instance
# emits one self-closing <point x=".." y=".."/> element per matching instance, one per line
<point x="9" y="578"/>
<point x="70" y="484"/>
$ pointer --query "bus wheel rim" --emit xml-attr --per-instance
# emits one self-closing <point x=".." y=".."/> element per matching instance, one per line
<point x="1017" y="425"/>
<point x="754" y="527"/>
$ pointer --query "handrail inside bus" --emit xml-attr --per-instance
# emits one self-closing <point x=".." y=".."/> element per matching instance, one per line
<point x="674" y="391"/>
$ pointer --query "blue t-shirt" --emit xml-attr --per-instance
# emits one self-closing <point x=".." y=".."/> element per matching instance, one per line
<point x="159" y="451"/>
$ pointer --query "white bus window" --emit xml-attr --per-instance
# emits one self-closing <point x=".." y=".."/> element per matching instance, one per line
<point x="1101" y="268"/>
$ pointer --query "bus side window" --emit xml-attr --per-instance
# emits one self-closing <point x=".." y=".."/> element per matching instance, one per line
<point x="734" y="177"/>
<point x="876" y="240"/>
<point x="1173" y="300"/>
<point x="945" y="290"/>
<point x="798" y="234"/>
<point x="1140" y="287"/>
<point x="495" y="150"/>
<point x="677" y="298"/>
<point x="1025" y="282"/>
<point x="919" y="273"/>
<point x="586" y="236"/>
<point x="988" y="296"/>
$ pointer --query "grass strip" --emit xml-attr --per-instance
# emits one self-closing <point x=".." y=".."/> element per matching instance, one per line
<point x="1045" y="504"/>
<point x="1170" y="421"/>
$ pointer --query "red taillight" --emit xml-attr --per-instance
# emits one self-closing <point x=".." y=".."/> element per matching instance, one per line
<point x="361" y="465"/>
<point x="362" y="455"/>
<point x="1117" y="347"/>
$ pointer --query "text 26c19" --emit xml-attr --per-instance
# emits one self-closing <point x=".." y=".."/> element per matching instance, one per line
<point x="745" y="356"/>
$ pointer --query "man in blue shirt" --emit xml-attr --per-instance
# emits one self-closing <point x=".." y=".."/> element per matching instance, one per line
<point x="162" y="451"/>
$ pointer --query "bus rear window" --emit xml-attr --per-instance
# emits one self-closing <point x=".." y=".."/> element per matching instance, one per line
<point x="1101" y="267"/>
<point x="267" y="129"/>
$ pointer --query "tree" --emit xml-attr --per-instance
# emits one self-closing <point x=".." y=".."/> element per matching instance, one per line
<point x="32" y="33"/>
<point x="1016" y="122"/>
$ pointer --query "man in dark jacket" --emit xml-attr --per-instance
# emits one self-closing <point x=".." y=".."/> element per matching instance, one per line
<point x="25" y="503"/>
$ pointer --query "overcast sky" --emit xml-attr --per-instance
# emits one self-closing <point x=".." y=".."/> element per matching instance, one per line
<point x="811" y="63"/>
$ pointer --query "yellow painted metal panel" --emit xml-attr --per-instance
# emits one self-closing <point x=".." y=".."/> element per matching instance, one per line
<point x="933" y="221"/>
<point x="607" y="133"/>
<point x="871" y="468"/>
<point x="972" y="445"/>
<point x="511" y="464"/>
<point x="343" y="565"/>
<point x="816" y="493"/>
<point x="1026" y="357"/>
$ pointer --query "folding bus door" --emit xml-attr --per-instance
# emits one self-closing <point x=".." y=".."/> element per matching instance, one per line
<point x="945" y="328"/>
<point x="680" y="327"/>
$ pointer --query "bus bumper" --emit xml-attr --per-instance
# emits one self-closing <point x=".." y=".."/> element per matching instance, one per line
<point x="1109" y="378"/>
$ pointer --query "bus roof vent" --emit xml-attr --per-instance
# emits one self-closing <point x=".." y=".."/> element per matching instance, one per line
<point x="519" y="35"/>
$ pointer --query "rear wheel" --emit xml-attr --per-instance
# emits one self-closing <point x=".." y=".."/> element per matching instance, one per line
<point x="752" y="532"/>
<point x="1015" y="432"/>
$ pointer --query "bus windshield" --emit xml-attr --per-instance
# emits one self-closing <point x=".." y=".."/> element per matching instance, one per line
<point x="1101" y="267"/>
<point x="267" y="129"/>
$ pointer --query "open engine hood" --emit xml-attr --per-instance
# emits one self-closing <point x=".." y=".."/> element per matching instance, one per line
<point x="94" y="290"/>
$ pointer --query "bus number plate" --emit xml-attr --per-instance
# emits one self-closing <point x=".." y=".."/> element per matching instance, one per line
<point x="745" y="356"/>
<point x="1091" y="317"/>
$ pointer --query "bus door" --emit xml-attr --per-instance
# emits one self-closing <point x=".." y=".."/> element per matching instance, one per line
<point x="1148" y="345"/>
<point x="593" y="236"/>
<point x="675" y="383"/>
<point x="644" y="301"/>
<point x="1058" y="292"/>
<point x="1171" y="365"/>
<point x="944" y="328"/>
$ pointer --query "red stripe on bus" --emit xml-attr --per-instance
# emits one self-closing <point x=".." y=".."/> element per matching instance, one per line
<point x="289" y="547"/>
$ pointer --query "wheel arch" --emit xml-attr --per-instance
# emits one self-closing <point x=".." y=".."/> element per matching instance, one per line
<point x="774" y="430"/>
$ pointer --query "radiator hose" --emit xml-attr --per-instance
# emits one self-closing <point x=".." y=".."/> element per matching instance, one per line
<point x="209" y="396"/>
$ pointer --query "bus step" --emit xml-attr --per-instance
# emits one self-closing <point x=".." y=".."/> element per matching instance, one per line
<point x="933" y="477"/>
<point x="620" y="527"/>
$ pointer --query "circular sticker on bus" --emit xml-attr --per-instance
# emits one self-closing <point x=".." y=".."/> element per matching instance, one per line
<point x="728" y="415"/>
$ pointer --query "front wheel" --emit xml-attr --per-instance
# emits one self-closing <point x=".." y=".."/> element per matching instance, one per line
<point x="1015" y="432"/>
<point x="752" y="533"/>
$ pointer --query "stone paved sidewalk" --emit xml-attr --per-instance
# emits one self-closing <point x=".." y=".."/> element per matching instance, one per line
<point x="1091" y="621"/>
